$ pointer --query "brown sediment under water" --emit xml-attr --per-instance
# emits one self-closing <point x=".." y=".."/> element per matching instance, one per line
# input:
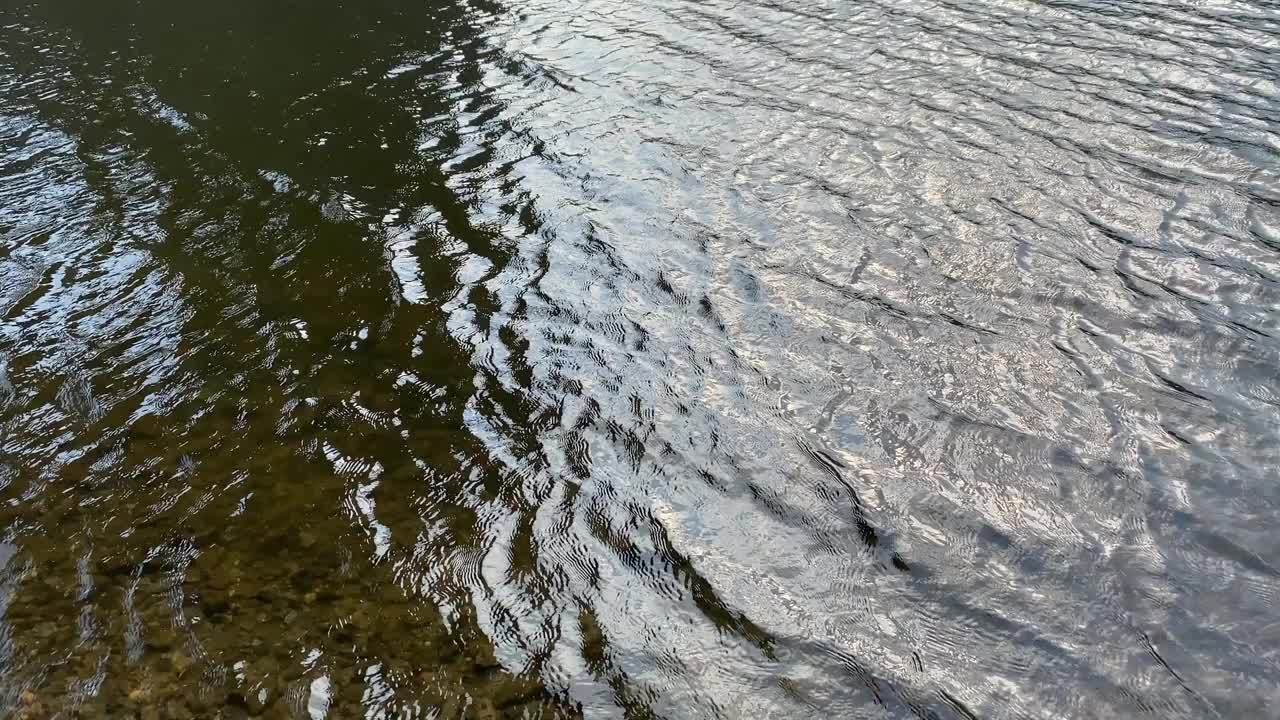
<point x="595" y="359"/>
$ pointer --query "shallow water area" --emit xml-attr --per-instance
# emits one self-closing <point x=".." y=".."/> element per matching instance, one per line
<point x="469" y="359"/>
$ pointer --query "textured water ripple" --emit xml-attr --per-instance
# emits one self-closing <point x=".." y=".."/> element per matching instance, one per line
<point x="672" y="359"/>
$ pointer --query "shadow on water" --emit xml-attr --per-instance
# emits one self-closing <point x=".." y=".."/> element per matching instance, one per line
<point x="212" y="376"/>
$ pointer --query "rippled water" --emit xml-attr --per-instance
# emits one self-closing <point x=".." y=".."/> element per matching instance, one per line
<point x="718" y="359"/>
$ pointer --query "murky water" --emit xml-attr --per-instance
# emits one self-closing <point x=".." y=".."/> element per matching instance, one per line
<point x="674" y="359"/>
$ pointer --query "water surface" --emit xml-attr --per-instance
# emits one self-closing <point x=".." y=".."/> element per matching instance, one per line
<point x="595" y="359"/>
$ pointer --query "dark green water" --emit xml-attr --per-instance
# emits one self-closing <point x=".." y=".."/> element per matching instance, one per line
<point x="659" y="360"/>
